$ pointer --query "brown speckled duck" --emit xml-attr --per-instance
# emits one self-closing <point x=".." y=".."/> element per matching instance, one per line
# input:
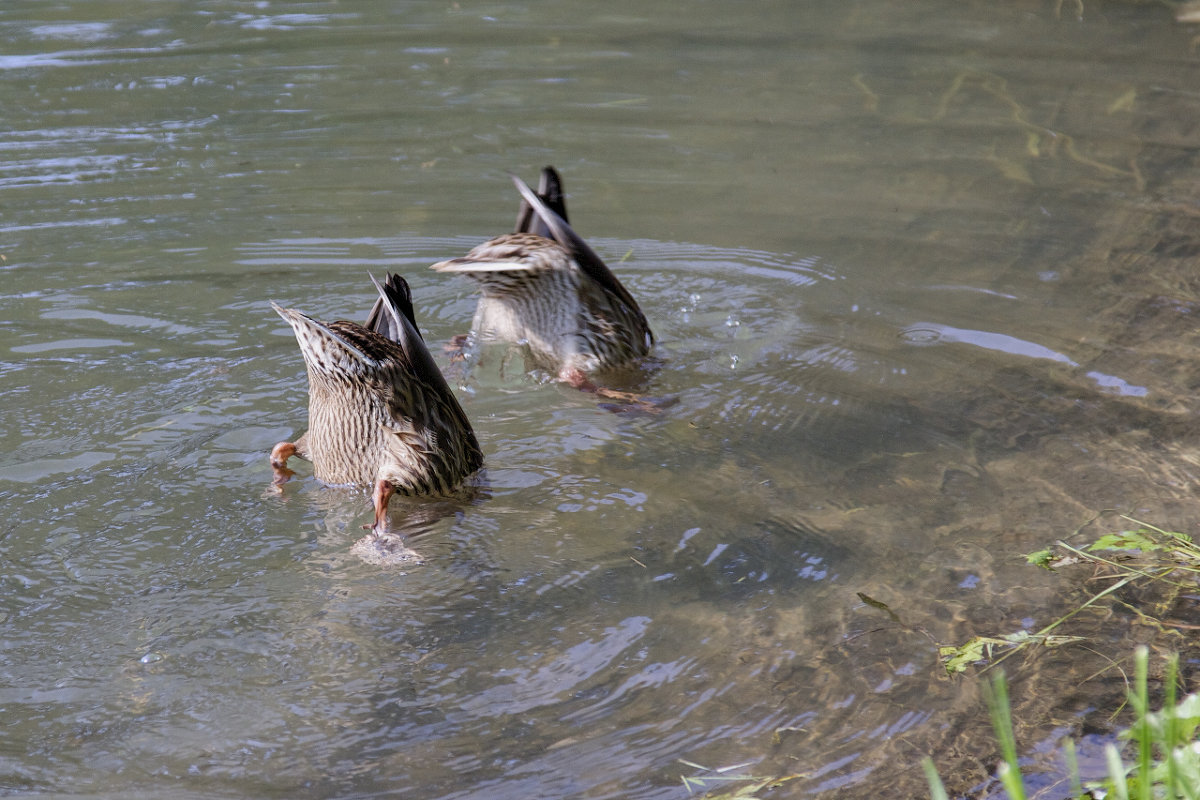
<point x="542" y="286"/>
<point x="380" y="412"/>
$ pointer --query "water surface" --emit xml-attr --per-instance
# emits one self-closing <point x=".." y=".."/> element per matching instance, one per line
<point x="921" y="279"/>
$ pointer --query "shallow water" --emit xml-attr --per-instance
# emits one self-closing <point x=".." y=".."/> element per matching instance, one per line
<point x="921" y="279"/>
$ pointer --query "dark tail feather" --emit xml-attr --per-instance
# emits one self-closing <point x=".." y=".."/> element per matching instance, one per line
<point x="396" y="293"/>
<point x="392" y="316"/>
<point x="551" y="192"/>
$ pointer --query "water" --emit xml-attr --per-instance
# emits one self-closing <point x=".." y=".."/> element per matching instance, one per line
<point x="921" y="276"/>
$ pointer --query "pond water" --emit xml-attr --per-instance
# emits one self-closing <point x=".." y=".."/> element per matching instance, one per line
<point x="922" y="276"/>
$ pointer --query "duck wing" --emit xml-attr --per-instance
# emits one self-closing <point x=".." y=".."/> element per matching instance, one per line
<point x="393" y="312"/>
<point x="591" y="264"/>
<point x="392" y="318"/>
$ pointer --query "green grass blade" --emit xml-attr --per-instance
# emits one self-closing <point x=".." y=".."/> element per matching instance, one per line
<point x="1010" y="778"/>
<point x="1073" y="769"/>
<point x="1170" y="726"/>
<point x="1001" y="712"/>
<point x="1116" y="772"/>
<point x="937" y="791"/>
<point x="1141" y="727"/>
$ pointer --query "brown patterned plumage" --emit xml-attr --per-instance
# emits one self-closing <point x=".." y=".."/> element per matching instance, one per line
<point x="380" y="412"/>
<point x="545" y="287"/>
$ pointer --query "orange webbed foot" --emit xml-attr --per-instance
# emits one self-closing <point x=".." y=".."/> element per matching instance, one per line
<point x="635" y="403"/>
<point x="279" y="458"/>
<point x="379" y="498"/>
<point x="627" y="401"/>
<point x="457" y="346"/>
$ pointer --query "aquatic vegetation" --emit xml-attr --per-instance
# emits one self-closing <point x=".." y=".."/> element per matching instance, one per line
<point x="749" y="788"/>
<point x="1039" y="139"/>
<point x="1166" y="752"/>
<point x="1146" y="558"/>
<point x="1148" y="571"/>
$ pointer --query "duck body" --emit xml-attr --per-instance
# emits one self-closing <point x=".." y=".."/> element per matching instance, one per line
<point x="544" y="287"/>
<point x="380" y="412"/>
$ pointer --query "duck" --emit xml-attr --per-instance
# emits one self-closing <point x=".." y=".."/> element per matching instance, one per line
<point x="543" y="286"/>
<point x="380" y="413"/>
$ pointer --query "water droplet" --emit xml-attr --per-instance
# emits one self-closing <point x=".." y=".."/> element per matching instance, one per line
<point x="921" y="335"/>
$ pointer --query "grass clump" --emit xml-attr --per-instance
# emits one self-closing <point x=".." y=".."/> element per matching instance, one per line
<point x="1141" y="557"/>
<point x="1165" y="750"/>
<point x="1161" y="760"/>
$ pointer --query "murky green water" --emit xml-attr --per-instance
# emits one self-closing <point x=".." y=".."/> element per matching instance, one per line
<point x="921" y="275"/>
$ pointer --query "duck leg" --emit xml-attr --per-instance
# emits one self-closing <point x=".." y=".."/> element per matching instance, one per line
<point x="379" y="498"/>
<point x="457" y="347"/>
<point x="279" y="458"/>
<point x="629" y="401"/>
